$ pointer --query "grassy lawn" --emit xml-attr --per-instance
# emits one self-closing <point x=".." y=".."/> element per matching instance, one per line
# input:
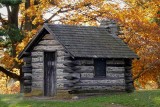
<point x="135" y="99"/>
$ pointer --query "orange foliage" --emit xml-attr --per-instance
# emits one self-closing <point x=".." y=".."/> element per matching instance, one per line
<point x="141" y="31"/>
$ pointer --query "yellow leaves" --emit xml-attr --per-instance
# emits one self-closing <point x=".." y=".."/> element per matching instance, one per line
<point x="8" y="86"/>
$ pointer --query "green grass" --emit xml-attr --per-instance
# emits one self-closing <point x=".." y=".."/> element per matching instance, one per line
<point x="135" y="99"/>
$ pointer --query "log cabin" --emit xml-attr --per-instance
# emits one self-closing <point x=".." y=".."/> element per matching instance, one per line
<point x="76" y="59"/>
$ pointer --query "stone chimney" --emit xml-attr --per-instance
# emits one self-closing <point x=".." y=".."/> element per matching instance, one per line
<point x="111" y="26"/>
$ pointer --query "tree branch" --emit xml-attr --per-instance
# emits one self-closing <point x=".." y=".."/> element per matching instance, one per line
<point x="9" y="73"/>
<point x="144" y="69"/>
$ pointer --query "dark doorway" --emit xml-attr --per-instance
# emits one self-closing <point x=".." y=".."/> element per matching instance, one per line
<point x="49" y="74"/>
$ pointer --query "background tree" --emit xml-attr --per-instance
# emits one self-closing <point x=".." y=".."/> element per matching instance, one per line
<point x="140" y="20"/>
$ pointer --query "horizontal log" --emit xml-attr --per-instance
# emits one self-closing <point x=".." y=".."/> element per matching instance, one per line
<point x="27" y="69"/>
<point x="59" y="73"/>
<point x="68" y="85"/>
<point x="64" y="58"/>
<point x="37" y="84"/>
<point x="115" y="65"/>
<point x="70" y="70"/>
<point x="115" y="69"/>
<point x="27" y="74"/>
<point x="114" y="75"/>
<point x="104" y="81"/>
<point x="128" y="78"/>
<point x="85" y="68"/>
<point x="59" y="65"/>
<point x="128" y="74"/>
<point x="27" y="82"/>
<point x="115" y="62"/>
<point x="38" y="70"/>
<point x="99" y="88"/>
<point x="61" y="53"/>
<point x="49" y="42"/>
<point x="101" y="84"/>
<point x="48" y="37"/>
<point x="129" y="81"/>
<point x="27" y="78"/>
<point x="27" y="89"/>
<point x="62" y="82"/>
<point x="70" y="77"/>
<point x="37" y="77"/>
<point x="47" y="48"/>
<point x="87" y="75"/>
<point x="37" y="59"/>
<point x="27" y="66"/>
<point x="37" y="65"/>
<point x="26" y="54"/>
<point x="37" y="54"/>
<point x="84" y="62"/>
<point x="128" y="68"/>
<point x="70" y="64"/>
<point x="68" y="58"/>
<point x="27" y="59"/>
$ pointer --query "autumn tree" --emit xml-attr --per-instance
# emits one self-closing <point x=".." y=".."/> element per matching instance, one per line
<point x="140" y="20"/>
<point x="20" y="29"/>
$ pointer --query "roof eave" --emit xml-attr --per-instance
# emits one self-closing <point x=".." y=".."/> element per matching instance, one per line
<point x="29" y="45"/>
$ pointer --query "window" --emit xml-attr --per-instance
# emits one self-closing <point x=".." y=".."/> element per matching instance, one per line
<point x="100" y="67"/>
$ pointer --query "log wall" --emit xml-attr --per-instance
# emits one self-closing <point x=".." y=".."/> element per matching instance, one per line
<point x="27" y="73"/>
<point x="48" y="43"/>
<point x="81" y="76"/>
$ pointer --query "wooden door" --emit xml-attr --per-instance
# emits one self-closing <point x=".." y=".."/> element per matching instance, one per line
<point x="49" y="74"/>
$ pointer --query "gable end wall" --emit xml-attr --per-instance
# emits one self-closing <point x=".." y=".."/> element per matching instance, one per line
<point x="48" y="43"/>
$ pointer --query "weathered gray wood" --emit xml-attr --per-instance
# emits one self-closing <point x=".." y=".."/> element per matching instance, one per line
<point x="48" y="37"/>
<point x="61" y="75"/>
<point x="72" y="76"/>
<point x="27" y="78"/>
<point x="37" y="65"/>
<point x="37" y="54"/>
<point x="26" y="69"/>
<point x="47" y="48"/>
<point x="38" y="84"/>
<point x="70" y="64"/>
<point x="38" y="77"/>
<point x="87" y="75"/>
<point x="27" y="89"/>
<point x="38" y="70"/>
<point x="99" y="88"/>
<point x="114" y="75"/>
<point x="62" y="53"/>
<point x="85" y="68"/>
<point x="115" y="69"/>
<point x="27" y="82"/>
<point x="68" y="70"/>
<point x="37" y="59"/>
<point x="108" y="62"/>
<point x="60" y="65"/>
<point x="27" y="74"/>
<point x="83" y="62"/>
<point x="104" y="81"/>
<point x="27" y="59"/>
<point x="48" y="42"/>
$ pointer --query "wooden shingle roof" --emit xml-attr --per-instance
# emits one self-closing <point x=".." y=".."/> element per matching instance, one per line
<point x="87" y="41"/>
